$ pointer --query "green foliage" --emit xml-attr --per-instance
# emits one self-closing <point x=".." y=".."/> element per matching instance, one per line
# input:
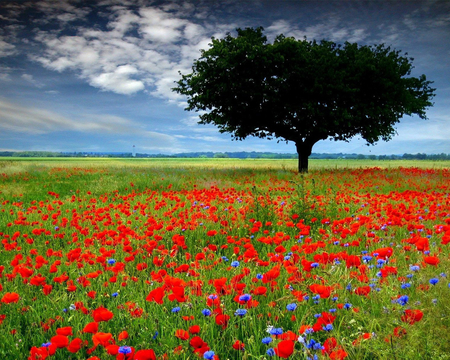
<point x="303" y="91"/>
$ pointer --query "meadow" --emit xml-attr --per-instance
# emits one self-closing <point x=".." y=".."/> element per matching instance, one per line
<point x="224" y="259"/>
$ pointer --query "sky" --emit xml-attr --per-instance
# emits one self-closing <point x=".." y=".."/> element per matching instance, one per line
<point x="96" y="76"/>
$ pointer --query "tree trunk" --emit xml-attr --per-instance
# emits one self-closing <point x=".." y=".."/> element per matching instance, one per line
<point x="304" y="149"/>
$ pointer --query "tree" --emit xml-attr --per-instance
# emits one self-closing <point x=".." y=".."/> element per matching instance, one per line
<point x="302" y="91"/>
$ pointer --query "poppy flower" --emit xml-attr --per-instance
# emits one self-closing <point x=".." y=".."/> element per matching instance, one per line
<point x="363" y="290"/>
<point x="102" y="314"/>
<point x="10" y="297"/>
<point x="156" y="295"/>
<point x="284" y="349"/>
<point x="60" y="341"/>
<point x="238" y="345"/>
<point x="66" y="331"/>
<point x="101" y="338"/>
<point x="412" y="316"/>
<point x="222" y="320"/>
<point x="195" y="329"/>
<point x="182" y="334"/>
<point x="75" y="345"/>
<point x="144" y="355"/>
<point x="91" y="328"/>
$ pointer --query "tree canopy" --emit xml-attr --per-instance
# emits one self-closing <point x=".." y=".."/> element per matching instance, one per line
<point x="303" y="91"/>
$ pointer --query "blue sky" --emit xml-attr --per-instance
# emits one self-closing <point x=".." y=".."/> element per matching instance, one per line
<point x="97" y="75"/>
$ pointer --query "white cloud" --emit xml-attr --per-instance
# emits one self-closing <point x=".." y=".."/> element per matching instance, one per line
<point x="6" y="49"/>
<point x="31" y="120"/>
<point x="29" y="78"/>
<point x="119" y="80"/>
<point x="155" y="42"/>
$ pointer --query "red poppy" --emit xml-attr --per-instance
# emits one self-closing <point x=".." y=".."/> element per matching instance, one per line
<point x="75" y="345"/>
<point x="156" y="295"/>
<point x="412" y="316"/>
<point x="284" y="349"/>
<point x="195" y="329"/>
<point x="362" y="290"/>
<point x="222" y="320"/>
<point x="66" y="331"/>
<point x="431" y="260"/>
<point x="102" y="314"/>
<point x="197" y="342"/>
<point x="101" y="338"/>
<point x="144" y="355"/>
<point x="10" y="297"/>
<point x="182" y="334"/>
<point x="47" y="289"/>
<point x="60" y="341"/>
<point x="123" y="335"/>
<point x="91" y="328"/>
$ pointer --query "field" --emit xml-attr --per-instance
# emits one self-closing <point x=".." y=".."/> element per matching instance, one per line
<point x="224" y="259"/>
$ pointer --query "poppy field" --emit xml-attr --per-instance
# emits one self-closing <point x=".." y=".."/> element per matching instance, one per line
<point x="116" y="260"/>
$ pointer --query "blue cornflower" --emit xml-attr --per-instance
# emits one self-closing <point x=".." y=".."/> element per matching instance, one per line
<point x="403" y="300"/>
<point x="270" y="352"/>
<point x="209" y="355"/>
<point x="206" y="312"/>
<point x="276" y="331"/>
<point x="212" y="297"/>
<point x="240" y="312"/>
<point x="380" y="263"/>
<point x="235" y="263"/>
<point x="314" y="265"/>
<point x="405" y="286"/>
<point x="259" y="276"/>
<point x="348" y="287"/>
<point x="111" y="261"/>
<point x="176" y="309"/>
<point x="366" y="258"/>
<point x="155" y="336"/>
<point x="115" y="294"/>
<point x="334" y="298"/>
<point x="332" y="311"/>
<point x="125" y="350"/>
<point x="313" y="344"/>
<point x="47" y="344"/>
<point x="245" y="297"/>
<point x="328" y="327"/>
<point x="434" y="281"/>
<point x="414" y="268"/>
<point x="224" y="258"/>
<point x="291" y="307"/>
<point x="347" y="306"/>
<point x="317" y="316"/>
<point x="266" y="340"/>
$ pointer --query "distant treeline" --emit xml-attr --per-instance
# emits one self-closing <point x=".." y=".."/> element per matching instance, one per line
<point x="234" y="155"/>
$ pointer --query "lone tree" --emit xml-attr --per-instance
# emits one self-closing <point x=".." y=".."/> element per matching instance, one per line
<point x="303" y="91"/>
